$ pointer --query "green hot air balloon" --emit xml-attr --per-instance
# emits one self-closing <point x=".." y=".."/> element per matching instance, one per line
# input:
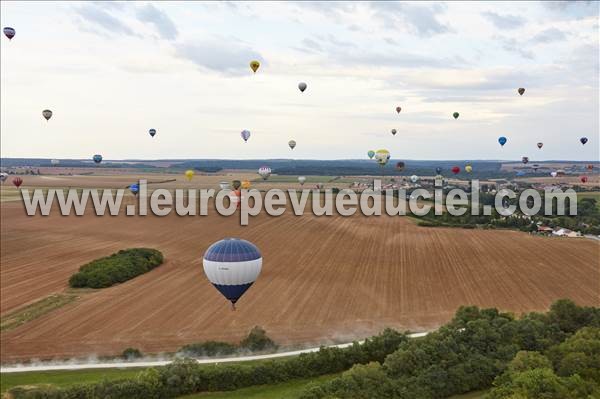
<point x="371" y="154"/>
<point x="455" y="115"/>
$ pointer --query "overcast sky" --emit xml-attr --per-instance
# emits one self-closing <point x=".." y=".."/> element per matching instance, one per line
<point x="111" y="71"/>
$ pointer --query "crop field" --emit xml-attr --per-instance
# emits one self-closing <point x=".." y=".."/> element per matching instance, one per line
<point x="324" y="279"/>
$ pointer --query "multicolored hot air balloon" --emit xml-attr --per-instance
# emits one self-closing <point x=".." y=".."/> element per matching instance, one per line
<point x="245" y="135"/>
<point x="134" y="188"/>
<point x="371" y="154"/>
<point x="302" y="86"/>
<point x="525" y="160"/>
<point x="394" y="131"/>
<point x="382" y="157"/>
<point x="502" y="140"/>
<point x="264" y="172"/>
<point x="152" y="132"/>
<point x="400" y="166"/>
<point x="47" y="114"/>
<point x="9" y="32"/>
<point x="301" y="180"/>
<point x="17" y="181"/>
<point x="97" y="158"/>
<point x="456" y="115"/>
<point x="246" y="184"/>
<point x="590" y="166"/>
<point x="521" y="90"/>
<point x="468" y="168"/>
<point x="189" y="174"/>
<point x="232" y="265"/>
<point x="254" y="65"/>
<point x="583" y="140"/>
<point x="438" y="171"/>
<point x="583" y="179"/>
<point x="398" y="109"/>
<point x="292" y="144"/>
<point x="540" y="145"/>
<point x="414" y="178"/>
<point x="455" y="170"/>
<point x="236" y="184"/>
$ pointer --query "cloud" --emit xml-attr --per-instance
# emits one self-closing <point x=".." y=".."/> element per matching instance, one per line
<point x="511" y="44"/>
<point x="96" y="14"/>
<point x="504" y="21"/>
<point x="311" y="44"/>
<point x="418" y="18"/>
<point x="159" y="19"/>
<point x="549" y="35"/>
<point x="228" y="56"/>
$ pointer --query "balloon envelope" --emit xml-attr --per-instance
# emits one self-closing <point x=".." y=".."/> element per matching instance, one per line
<point x="414" y="178"/>
<point x="521" y="90"/>
<point x="394" y="131"/>
<point x="9" y="32"/>
<point x="232" y="265"/>
<point x="47" y="114"/>
<point x="264" y="172"/>
<point x="400" y="166"/>
<point x="97" y="158"/>
<point x="553" y="174"/>
<point x="502" y="140"/>
<point x="254" y="65"/>
<point x="438" y="170"/>
<point x="245" y="135"/>
<point x="540" y="145"/>
<point x="134" y="188"/>
<point x="468" y="168"/>
<point x="455" y="115"/>
<point x="17" y="181"/>
<point x="398" y="109"/>
<point x="236" y="184"/>
<point x="301" y="180"/>
<point x="246" y="184"/>
<point x="583" y="179"/>
<point x="583" y="140"/>
<point x="189" y="174"/>
<point x="455" y="170"/>
<point x="382" y="157"/>
<point x="302" y="86"/>
<point x="3" y="176"/>
<point x="54" y="162"/>
<point x="525" y="160"/>
<point x="371" y="154"/>
<point x="292" y="144"/>
<point x="152" y="132"/>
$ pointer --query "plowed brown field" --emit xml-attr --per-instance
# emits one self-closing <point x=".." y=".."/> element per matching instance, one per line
<point x="324" y="278"/>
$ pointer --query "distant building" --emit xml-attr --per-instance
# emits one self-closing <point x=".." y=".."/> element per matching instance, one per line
<point x="562" y="232"/>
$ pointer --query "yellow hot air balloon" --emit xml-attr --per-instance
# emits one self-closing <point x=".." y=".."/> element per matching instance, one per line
<point x="254" y="65"/>
<point x="245" y="184"/>
<point x="189" y="174"/>
<point x="382" y="157"/>
<point x="468" y="168"/>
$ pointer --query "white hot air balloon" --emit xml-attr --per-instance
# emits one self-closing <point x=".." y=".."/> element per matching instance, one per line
<point x="264" y="172"/>
<point x="224" y="185"/>
<point x="414" y="178"/>
<point x="54" y="162"/>
<point x="232" y="265"/>
<point x="301" y="180"/>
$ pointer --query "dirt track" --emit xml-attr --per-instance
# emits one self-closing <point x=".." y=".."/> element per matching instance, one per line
<point x="323" y="279"/>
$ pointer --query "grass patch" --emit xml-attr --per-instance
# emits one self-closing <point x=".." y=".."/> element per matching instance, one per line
<point x="63" y="378"/>
<point x="35" y="310"/>
<point x="286" y="390"/>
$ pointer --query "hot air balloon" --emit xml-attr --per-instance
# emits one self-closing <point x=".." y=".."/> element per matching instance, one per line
<point x="54" y="162"/>
<point x="590" y="167"/>
<point x="525" y="160"/>
<point x="394" y="131"/>
<point x="455" y="170"/>
<point x="223" y="185"/>
<point x="535" y="167"/>
<point x="9" y="32"/>
<point x="319" y="186"/>
<point x="502" y="140"/>
<point x="189" y="174"/>
<point x="232" y="265"/>
<point x="400" y="166"/>
<point x="152" y="132"/>
<point x="292" y="144"/>
<point x="17" y="181"/>
<point x="382" y="157"/>
<point x="302" y="86"/>
<point x="438" y="171"/>
<point x="134" y="188"/>
<point x="371" y="154"/>
<point x="553" y="173"/>
<point x="583" y="179"/>
<point x="455" y="115"/>
<point x="3" y="177"/>
<point x="264" y="172"/>
<point x="254" y="65"/>
<point x="245" y="184"/>
<point x="97" y="158"/>
<point x="47" y="114"/>
<point x="540" y="145"/>
<point x="583" y="140"/>
<point x="414" y="178"/>
<point x="245" y="135"/>
<point x="398" y="109"/>
<point x="521" y="90"/>
<point x="235" y="196"/>
<point x="468" y="168"/>
<point x="301" y="180"/>
<point x="236" y="184"/>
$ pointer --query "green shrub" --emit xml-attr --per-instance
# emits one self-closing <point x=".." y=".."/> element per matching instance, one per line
<point x="257" y="341"/>
<point x="208" y="348"/>
<point x="116" y="268"/>
<point x="131" y="353"/>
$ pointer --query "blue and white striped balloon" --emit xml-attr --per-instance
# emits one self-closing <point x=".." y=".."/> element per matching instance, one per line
<point x="232" y="265"/>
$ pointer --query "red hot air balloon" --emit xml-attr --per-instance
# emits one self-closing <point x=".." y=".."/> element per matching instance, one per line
<point x="583" y="179"/>
<point x="455" y="170"/>
<point x="17" y="181"/>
